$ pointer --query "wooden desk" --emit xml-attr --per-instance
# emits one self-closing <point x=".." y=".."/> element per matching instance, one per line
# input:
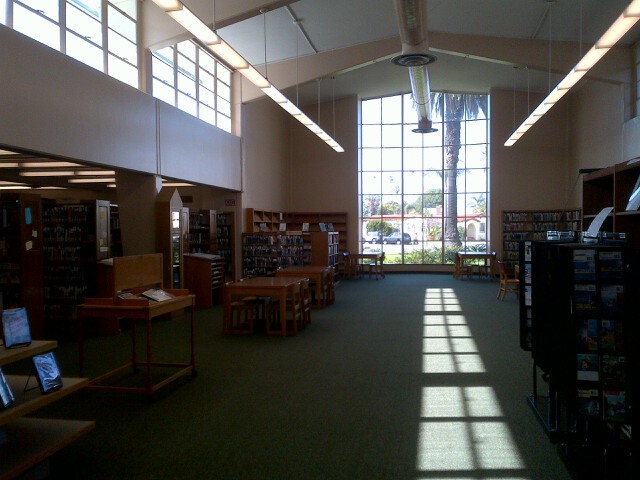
<point x="374" y="258"/>
<point x="115" y="308"/>
<point x="485" y="256"/>
<point x="260" y="287"/>
<point x="312" y="272"/>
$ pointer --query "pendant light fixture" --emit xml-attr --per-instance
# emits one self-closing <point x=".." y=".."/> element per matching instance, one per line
<point x="185" y="17"/>
<point x="627" y="19"/>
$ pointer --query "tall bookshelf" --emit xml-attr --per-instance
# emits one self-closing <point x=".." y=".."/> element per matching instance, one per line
<point x="202" y="231"/>
<point x="75" y="237"/>
<point x="263" y="253"/>
<point x="583" y="339"/>
<point x="324" y="248"/>
<point x="21" y="257"/>
<point x="519" y="225"/>
<point x="172" y="236"/>
<point x="225" y="241"/>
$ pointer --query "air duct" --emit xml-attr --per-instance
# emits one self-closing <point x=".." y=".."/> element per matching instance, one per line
<point x="412" y="21"/>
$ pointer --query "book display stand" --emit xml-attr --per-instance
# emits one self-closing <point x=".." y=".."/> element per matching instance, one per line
<point x="577" y="320"/>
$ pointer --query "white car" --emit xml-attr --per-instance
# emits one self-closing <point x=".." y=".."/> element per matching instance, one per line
<point x="372" y="237"/>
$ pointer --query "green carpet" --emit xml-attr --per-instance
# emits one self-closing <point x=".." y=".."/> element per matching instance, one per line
<point x="411" y="377"/>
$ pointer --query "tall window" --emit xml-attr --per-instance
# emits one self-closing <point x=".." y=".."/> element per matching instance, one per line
<point x="76" y="28"/>
<point x="424" y="196"/>
<point x="188" y="77"/>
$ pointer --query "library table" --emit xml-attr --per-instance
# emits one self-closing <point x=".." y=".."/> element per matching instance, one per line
<point x="375" y="258"/>
<point x="260" y="287"/>
<point x="489" y="259"/>
<point x="312" y="272"/>
<point x="137" y="309"/>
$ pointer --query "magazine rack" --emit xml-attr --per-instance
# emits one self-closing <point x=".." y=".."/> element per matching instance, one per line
<point x="136" y="274"/>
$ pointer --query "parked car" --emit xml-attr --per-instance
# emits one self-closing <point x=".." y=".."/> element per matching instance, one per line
<point x="397" y="238"/>
<point x="372" y="237"/>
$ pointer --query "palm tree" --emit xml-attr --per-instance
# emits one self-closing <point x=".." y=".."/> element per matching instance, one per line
<point x="453" y="107"/>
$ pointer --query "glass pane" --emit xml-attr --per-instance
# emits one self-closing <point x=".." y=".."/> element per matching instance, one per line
<point x="127" y="6"/>
<point x="391" y="182"/>
<point x="433" y="139"/>
<point x="122" y="24"/>
<point x="371" y="183"/>
<point x="412" y="139"/>
<point x="188" y="49"/>
<point x="48" y="8"/>
<point x="224" y="91"/>
<point x="162" y="71"/>
<point x="433" y="158"/>
<point x="207" y="97"/>
<point x="90" y="7"/>
<point x="371" y="159"/>
<point x="207" y="114"/>
<point x="223" y="74"/>
<point x="413" y="158"/>
<point x="123" y="71"/>
<point x="412" y="181"/>
<point x="84" y="51"/>
<point x="476" y="156"/>
<point x="207" y="62"/>
<point x="452" y="133"/>
<point x="36" y="27"/>
<point x="433" y="181"/>
<point x="84" y="25"/>
<point x="371" y="111"/>
<point x="224" y="123"/>
<point x="476" y="131"/>
<point x="392" y="159"/>
<point x="410" y="112"/>
<point x="186" y="66"/>
<point x="187" y="104"/>
<point x="476" y="180"/>
<point x="3" y="11"/>
<point x="371" y="136"/>
<point x="206" y="79"/>
<point x="163" y="92"/>
<point x="224" y="107"/>
<point x="187" y="85"/>
<point x="391" y="135"/>
<point x="123" y="48"/>
<point x="391" y="206"/>
<point x="392" y="109"/>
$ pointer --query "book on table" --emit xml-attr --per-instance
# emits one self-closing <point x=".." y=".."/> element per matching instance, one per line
<point x="47" y="372"/>
<point x="157" y="295"/>
<point x="15" y="327"/>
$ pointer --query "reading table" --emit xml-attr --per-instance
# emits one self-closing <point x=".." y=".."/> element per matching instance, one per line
<point x="312" y="272"/>
<point x="489" y="259"/>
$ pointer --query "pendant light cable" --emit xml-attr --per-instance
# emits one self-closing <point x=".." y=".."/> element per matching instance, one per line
<point x="263" y="11"/>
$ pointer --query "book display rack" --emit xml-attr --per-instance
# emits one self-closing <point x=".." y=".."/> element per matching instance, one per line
<point x="75" y="237"/>
<point x="204" y="277"/>
<point x="27" y="443"/>
<point x="577" y="320"/>
<point x="533" y="225"/>
<point x="21" y="282"/>
<point x="264" y="253"/>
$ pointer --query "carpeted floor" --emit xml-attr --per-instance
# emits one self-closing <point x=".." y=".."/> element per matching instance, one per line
<point x="411" y="377"/>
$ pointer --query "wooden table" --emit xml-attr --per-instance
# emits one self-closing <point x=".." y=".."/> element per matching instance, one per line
<point x="115" y="308"/>
<point x="485" y="256"/>
<point x="312" y="272"/>
<point x="276" y="287"/>
<point x="370" y="257"/>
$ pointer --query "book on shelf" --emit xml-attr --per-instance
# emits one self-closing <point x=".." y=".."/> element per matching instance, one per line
<point x="588" y="402"/>
<point x="47" y="372"/>
<point x="588" y="333"/>
<point x="608" y="335"/>
<point x="157" y="295"/>
<point x="6" y="395"/>
<point x="615" y="405"/>
<point x="584" y="264"/>
<point x="15" y="327"/>
<point x="588" y="367"/>
<point x="611" y="265"/>
<point x="612" y="297"/>
<point x="614" y="369"/>
<point x="585" y="297"/>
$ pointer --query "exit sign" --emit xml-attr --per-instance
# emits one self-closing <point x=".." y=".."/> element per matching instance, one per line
<point x="229" y="202"/>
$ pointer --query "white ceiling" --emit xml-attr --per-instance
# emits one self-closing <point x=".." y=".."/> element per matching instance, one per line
<point x="335" y="24"/>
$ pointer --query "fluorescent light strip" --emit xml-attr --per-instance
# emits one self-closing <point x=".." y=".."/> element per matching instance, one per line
<point x="49" y="164"/>
<point x="616" y="31"/>
<point x="223" y="50"/>
<point x="92" y="180"/>
<point x="47" y="173"/>
<point x="15" y="187"/>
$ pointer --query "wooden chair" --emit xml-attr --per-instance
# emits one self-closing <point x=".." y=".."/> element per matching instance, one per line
<point x="243" y="315"/>
<point x="305" y="296"/>
<point x="293" y="320"/>
<point x="486" y="270"/>
<point x="328" y="287"/>
<point x="507" y="283"/>
<point x="377" y="268"/>
<point x="461" y="269"/>
<point x="352" y="268"/>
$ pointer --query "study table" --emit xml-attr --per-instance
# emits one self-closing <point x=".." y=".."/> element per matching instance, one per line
<point x="374" y="257"/>
<point x="276" y="287"/>
<point x="489" y="259"/>
<point x="137" y="309"/>
<point x="314" y="273"/>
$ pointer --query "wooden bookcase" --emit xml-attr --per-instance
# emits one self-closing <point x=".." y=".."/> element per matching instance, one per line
<point x="522" y="225"/>
<point x="225" y="241"/>
<point x="116" y="234"/>
<point x="612" y="187"/>
<point x="75" y="237"/>
<point x="325" y="248"/>
<point x="21" y="257"/>
<point x="27" y="442"/>
<point x="202" y="231"/>
<point x="204" y="277"/>
<point x="263" y="253"/>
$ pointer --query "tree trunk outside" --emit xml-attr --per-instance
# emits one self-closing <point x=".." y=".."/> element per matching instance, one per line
<point x="452" y="150"/>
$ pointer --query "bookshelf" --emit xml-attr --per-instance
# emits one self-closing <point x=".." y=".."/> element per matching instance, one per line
<point x="325" y="248"/>
<point x="202" y="231"/>
<point x="263" y="253"/>
<point x="21" y="257"/>
<point x="172" y="236"/>
<point x="612" y="187"/>
<point x="204" y="277"/>
<point x="581" y="338"/>
<point x="225" y="241"/>
<point x="116" y="233"/>
<point x="75" y="237"/>
<point x="522" y="225"/>
<point x="27" y="443"/>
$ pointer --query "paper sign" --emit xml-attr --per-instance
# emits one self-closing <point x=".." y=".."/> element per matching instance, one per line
<point x="597" y="222"/>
